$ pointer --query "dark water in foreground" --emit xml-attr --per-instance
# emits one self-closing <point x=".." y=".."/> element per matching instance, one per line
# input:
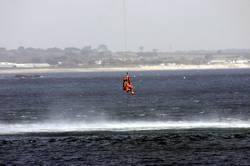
<point x="177" y="117"/>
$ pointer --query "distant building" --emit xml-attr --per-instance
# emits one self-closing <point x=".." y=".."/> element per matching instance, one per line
<point x="6" y="65"/>
<point x="237" y="61"/>
<point x="98" y="62"/>
<point x="218" y="61"/>
<point x="241" y="61"/>
<point x="23" y="65"/>
<point x="32" y="65"/>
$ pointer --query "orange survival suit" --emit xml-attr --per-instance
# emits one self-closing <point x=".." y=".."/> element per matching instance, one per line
<point x="127" y="84"/>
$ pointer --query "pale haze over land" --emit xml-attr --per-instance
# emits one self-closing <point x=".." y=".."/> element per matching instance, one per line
<point x="166" y="25"/>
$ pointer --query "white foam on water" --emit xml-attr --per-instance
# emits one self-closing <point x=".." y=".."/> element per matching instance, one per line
<point x="116" y="126"/>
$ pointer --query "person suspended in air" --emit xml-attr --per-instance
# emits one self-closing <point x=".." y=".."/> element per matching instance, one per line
<point x="127" y="84"/>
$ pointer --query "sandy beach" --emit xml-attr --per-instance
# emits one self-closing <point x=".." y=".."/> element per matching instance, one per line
<point x="110" y="69"/>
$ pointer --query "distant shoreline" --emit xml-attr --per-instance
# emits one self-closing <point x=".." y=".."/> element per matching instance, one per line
<point x="114" y="69"/>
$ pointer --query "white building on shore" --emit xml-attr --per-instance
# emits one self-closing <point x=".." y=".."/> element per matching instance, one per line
<point x="23" y="65"/>
<point x="221" y="61"/>
<point x="241" y="61"/>
<point x="6" y="65"/>
<point x="217" y="61"/>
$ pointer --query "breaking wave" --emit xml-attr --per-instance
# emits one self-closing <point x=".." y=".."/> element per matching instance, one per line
<point x="116" y="126"/>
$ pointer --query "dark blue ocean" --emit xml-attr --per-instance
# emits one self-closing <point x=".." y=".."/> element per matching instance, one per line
<point x="192" y="117"/>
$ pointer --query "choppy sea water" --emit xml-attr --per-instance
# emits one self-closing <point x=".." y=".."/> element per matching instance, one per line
<point x="177" y="117"/>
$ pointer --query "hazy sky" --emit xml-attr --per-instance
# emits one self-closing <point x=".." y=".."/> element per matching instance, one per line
<point x="162" y="24"/>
